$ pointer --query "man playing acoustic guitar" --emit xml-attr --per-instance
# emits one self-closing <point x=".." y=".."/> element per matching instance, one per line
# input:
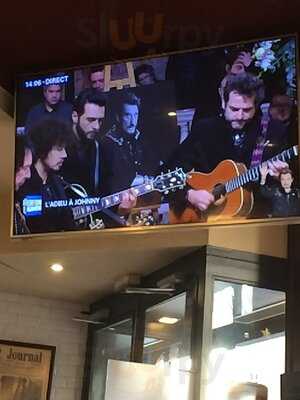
<point x="241" y="134"/>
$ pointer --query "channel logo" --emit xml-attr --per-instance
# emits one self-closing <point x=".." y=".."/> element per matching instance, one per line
<point x="32" y="206"/>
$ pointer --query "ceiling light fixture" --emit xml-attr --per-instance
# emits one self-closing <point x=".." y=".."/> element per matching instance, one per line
<point x="56" y="267"/>
<point x="172" y="114"/>
<point x="168" y="320"/>
<point x="151" y="342"/>
<point x="142" y="290"/>
<point x="87" y="321"/>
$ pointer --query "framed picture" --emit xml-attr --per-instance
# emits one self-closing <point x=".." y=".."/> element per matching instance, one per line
<point x="25" y="371"/>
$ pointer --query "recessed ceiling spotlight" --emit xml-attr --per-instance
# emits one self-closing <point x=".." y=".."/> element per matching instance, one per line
<point x="56" y="267"/>
<point x="168" y="320"/>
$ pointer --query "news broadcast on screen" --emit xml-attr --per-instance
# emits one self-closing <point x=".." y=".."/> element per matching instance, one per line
<point x="204" y="136"/>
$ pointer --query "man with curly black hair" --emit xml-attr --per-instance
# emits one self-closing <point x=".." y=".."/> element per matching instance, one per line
<point x="49" y="139"/>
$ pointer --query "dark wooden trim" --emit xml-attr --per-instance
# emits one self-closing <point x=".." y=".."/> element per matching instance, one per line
<point x="193" y="268"/>
<point x="246" y="257"/>
<point x="87" y="364"/>
<point x="290" y="382"/>
<point x="293" y="302"/>
<point x="137" y="343"/>
<point x="186" y="264"/>
<point x="197" y="296"/>
<point x="25" y="344"/>
<point x="275" y="267"/>
<point x="123" y="306"/>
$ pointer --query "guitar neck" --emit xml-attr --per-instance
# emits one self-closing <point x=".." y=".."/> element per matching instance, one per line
<point x="253" y="174"/>
<point x="110" y="201"/>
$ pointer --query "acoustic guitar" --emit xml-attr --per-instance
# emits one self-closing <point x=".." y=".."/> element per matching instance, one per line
<point x="229" y="183"/>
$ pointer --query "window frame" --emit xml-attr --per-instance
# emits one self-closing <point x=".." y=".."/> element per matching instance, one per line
<point x="198" y="270"/>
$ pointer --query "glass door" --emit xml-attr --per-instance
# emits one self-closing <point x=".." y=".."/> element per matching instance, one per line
<point x="244" y="335"/>
<point x="247" y="355"/>
<point x="167" y="344"/>
<point x="110" y="343"/>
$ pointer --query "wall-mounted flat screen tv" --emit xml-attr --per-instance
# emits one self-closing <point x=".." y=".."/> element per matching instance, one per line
<point x="206" y="136"/>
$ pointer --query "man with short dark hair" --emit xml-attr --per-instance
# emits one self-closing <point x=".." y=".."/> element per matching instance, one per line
<point x="49" y="139"/>
<point x="52" y="106"/>
<point x="234" y="134"/>
<point x="145" y="75"/>
<point x="240" y="134"/>
<point x="284" y="198"/>
<point x="23" y="162"/>
<point x="85" y="163"/>
<point x="97" y="78"/>
<point x="283" y="109"/>
<point x="125" y="147"/>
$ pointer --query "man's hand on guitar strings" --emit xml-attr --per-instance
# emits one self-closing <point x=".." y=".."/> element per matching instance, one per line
<point x="200" y="199"/>
<point x="128" y="202"/>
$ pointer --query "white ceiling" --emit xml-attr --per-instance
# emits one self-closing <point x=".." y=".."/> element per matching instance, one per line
<point x="88" y="275"/>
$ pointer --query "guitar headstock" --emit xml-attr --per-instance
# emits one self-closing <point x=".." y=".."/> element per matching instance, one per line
<point x="170" y="181"/>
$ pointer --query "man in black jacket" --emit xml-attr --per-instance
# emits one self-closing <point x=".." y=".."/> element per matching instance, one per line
<point x="52" y="107"/>
<point x="88" y="163"/>
<point x="129" y="157"/>
<point x="84" y="163"/>
<point x="240" y="134"/>
<point x="284" y="198"/>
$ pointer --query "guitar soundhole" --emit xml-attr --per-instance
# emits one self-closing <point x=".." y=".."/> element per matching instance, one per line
<point x="218" y="191"/>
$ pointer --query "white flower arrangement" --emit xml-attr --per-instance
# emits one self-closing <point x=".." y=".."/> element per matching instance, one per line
<point x="272" y="55"/>
<point x="264" y="55"/>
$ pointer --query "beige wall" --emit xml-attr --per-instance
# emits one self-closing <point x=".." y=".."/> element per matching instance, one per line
<point x="6" y="101"/>
<point x="268" y="240"/>
<point x="34" y="320"/>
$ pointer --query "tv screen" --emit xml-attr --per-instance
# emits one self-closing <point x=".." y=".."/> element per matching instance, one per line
<point x="206" y="136"/>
